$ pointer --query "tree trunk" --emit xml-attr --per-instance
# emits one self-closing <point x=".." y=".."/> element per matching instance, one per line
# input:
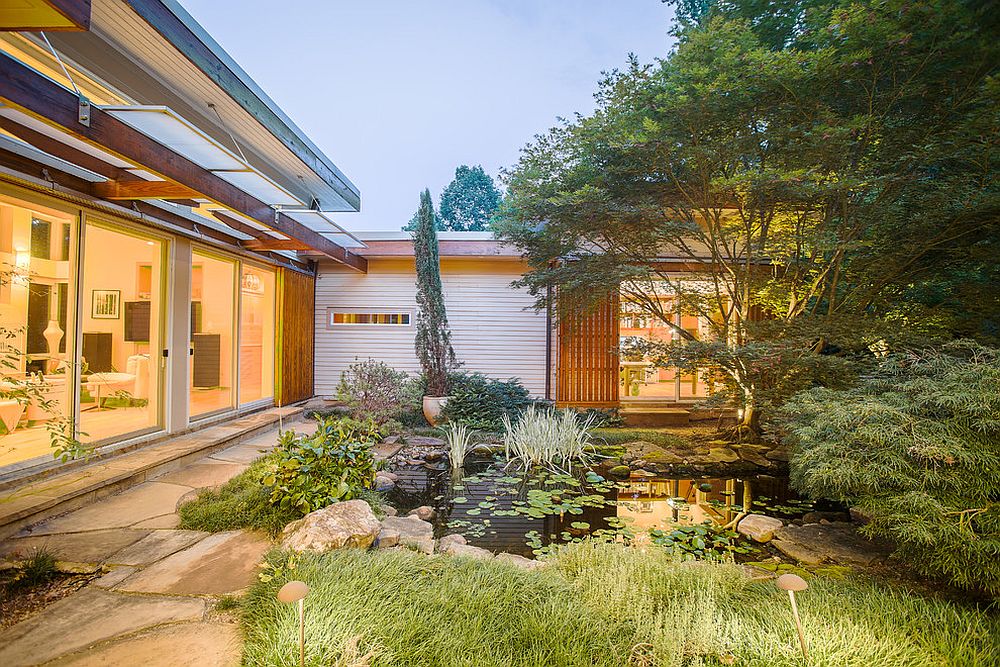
<point x="749" y="424"/>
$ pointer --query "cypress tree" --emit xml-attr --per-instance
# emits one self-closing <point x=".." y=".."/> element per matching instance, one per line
<point x="433" y="339"/>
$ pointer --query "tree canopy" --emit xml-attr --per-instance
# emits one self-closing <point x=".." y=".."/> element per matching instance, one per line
<point x="811" y="167"/>
<point x="469" y="201"/>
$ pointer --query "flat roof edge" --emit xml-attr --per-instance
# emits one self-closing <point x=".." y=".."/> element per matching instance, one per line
<point x="267" y="112"/>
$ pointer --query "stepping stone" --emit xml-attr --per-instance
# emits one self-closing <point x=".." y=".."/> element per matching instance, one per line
<point x="114" y="577"/>
<point x="145" y="501"/>
<point x="204" y="474"/>
<point x="185" y="645"/>
<point x="246" y="452"/>
<point x="164" y="521"/>
<point x="220" y="563"/>
<point x="156" y="546"/>
<point x="90" y="547"/>
<point x="87" y="617"/>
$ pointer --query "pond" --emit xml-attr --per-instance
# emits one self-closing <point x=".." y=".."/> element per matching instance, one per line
<point x="503" y="509"/>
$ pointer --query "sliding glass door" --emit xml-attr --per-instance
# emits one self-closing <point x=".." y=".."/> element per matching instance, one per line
<point x="256" y="334"/>
<point x="122" y="336"/>
<point x="213" y="334"/>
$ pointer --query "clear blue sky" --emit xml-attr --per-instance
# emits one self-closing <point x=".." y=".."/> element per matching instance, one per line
<point x="400" y="92"/>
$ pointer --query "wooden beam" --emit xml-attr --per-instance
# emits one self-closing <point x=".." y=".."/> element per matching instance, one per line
<point x="237" y="224"/>
<point x="34" y="94"/>
<point x="35" y="15"/>
<point x="140" y="189"/>
<point x="271" y="243"/>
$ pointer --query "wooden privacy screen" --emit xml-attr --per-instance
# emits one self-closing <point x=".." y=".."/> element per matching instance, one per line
<point x="588" y="368"/>
<point x="296" y="327"/>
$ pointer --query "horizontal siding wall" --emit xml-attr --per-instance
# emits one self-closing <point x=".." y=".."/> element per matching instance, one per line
<point x="494" y="330"/>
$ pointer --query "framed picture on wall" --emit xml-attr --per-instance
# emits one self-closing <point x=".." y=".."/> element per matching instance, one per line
<point x="105" y="304"/>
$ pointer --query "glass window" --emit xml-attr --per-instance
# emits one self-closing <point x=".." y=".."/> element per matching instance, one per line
<point x="213" y="334"/>
<point x="122" y="333"/>
<point x="392" y="319"/>
<point x="36" y="352"/>
<point x="256" y="334"/>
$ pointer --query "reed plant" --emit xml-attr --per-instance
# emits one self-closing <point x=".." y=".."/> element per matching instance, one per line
<point x="545" y="437"/>
<point x="459" y="440"/>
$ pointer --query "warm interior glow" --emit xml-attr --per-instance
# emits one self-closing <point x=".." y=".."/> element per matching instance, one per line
<point x="213" y="334"/>
<point x="256" y="334"/>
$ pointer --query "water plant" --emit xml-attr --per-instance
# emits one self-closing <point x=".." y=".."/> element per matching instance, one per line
<point x="459" y="441"/>
<point x="543" y="437"/>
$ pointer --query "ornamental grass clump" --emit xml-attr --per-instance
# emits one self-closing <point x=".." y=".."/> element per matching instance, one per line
<point x="549" y="438"/>
<point x="459" y="441"/>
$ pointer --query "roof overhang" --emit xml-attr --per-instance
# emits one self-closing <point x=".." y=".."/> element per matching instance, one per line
<point x="33" y="15"/>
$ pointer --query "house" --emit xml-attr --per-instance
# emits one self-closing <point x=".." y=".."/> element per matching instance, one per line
<point x="152" y="200"/>
<point x="168" y="259"/>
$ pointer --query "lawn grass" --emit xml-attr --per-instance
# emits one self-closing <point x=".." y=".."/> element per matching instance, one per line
<point x="601" y="605"/>
<point x="240" y="503"/>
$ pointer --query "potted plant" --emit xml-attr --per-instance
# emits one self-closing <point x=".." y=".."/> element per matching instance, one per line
<point x="433" y="338"/>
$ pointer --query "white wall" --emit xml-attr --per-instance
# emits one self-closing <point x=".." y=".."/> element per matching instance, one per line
<point x="494" y="330"/>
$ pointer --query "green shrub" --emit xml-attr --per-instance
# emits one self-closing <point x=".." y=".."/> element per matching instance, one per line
<point x="480" y="402"/>
<point x="916" y="446"/>
<point x="334" y="463"/>
<point x="374" y="390"/>
<point x="241" y="503"/>
<point x="598" y="605"/>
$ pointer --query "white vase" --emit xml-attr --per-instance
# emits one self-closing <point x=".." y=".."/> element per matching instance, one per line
<point x="433" y="405"/>
<point x="53" y="335"/>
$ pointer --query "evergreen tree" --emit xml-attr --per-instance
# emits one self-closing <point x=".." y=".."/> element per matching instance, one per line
<point x="469" y="201"/>
<point x="433" y="339"/>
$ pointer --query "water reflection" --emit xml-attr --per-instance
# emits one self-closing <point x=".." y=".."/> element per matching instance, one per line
<point x="488" y="508"/>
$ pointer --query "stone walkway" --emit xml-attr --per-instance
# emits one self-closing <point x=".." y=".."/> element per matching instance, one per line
<point x="154" y="603"/>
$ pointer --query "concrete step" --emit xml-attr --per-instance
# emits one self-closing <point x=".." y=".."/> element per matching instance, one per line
<point x="34" y="501"/>
<point x="652" y="416"/>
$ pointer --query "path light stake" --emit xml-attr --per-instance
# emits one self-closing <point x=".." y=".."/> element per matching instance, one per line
<point x="792" y="583"/>
<point x="296" y="591"/>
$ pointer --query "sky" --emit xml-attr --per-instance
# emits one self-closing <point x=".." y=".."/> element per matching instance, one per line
<point x="398" y="93"/>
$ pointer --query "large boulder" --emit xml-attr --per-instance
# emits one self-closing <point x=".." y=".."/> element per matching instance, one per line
<point x="467" y="550"/>
<point x="424" y="513"/>
<point x="348" y="524"/>
<point x="759" y="528"/>
<point x="413" y="533"/>
<point x="455" y="538"/>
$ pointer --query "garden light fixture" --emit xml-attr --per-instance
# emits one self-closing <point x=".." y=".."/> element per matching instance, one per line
<point x="792" y="583"/>
<point x="296" y="591"/>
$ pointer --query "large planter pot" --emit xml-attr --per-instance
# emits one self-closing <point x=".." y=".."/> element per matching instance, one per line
<point x="433" y="405"/>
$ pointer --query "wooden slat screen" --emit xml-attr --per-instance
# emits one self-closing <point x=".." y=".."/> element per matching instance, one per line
<point x="296" y="328"/>
<point x="587" y="361"/>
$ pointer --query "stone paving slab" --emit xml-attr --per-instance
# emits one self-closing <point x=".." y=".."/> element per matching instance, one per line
<point x="141" y="502"/>
<point x="221" y="563"/>
<point x="204" y="474"/>
<point x="90" y="547"/>
<point x="116" y="576"/>
<point x="246" y="453"/>
<point x="155" y="546"/>
<point x="182" y="645"/>
<point x="88" y="617"/>
<point x="162" y="522"/>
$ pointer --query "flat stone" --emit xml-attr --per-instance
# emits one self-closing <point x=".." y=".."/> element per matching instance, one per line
<point x="348" y="524"/>
<point x="779" y="455"/>
<point x="387" y="538"/>
<point x="413" y="533"/>
<point x="162" y="522"/>
<point x="156" y="546"/>
<point x="247" y="452"/>
<point x="90" y="547"/>
<point x="221" y="563"/>
<point x="89" y="616"/>
<point x="723" y="455"/>
<point x="182" y="645"/>
<point x="754" y="457"/>
<point x="799" y="552"/>
<point x="467" y="550"/>
<point x="424" y="441"/>
<point x="203" y="475"/>
<point x="519" y="561"/>
<point x="116" y="576"/>
<point x="758" y="527"/>
<point x="383" y="484"/>
<point x="142" y="502"/>
<point x="838" y="542"/>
